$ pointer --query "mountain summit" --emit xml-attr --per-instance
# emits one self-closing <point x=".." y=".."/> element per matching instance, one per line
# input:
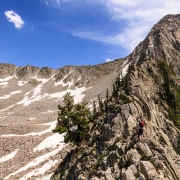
<point x="143" y="85"/>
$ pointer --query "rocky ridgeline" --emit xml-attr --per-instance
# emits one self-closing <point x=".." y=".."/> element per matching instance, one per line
<point x="151" y="90"/>
<point x="162" y="43"/>
<point x="79" y="74"/>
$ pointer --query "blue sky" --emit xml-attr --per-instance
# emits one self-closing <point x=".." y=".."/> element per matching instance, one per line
<point x="56" y="33"/>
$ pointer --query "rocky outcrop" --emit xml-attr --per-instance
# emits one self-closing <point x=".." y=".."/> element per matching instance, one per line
<point x="163" y="42"/>
<point x="7" y="70"/>
<point x="149" y="90"/>
<point x="25" y="73"/>
<point x="45" y="73"/>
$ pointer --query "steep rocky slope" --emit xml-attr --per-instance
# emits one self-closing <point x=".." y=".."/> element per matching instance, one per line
<point x="151" y="90"/>
<point x="29" y="98"/>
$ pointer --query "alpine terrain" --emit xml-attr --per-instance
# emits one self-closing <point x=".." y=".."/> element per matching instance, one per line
<point x="145" y="85"/>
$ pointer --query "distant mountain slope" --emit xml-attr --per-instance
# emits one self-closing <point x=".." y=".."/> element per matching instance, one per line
<point x="29" y="98"/>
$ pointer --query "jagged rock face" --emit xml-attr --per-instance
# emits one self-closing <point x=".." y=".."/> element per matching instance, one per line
<point x="45" y="73"/>
<point x="86" y="74"/>
<point x="25" y="73"/>
<point x="112" y="150"/>
<point x="162" y="43"/>
<point x="7" y="70"/>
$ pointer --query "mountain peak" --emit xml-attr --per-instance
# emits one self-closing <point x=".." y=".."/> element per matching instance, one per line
<point x="162" y="43"/>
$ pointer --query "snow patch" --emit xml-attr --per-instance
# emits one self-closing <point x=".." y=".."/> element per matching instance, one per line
<point x="36" y="94"/>
<point x="31" y="119"/>
<point x="52" y="126"/>
<point x="21" y="83"/>
<point x="77" y="93"/>
<point x="50" y="142"/>
<point x="6" y="79"/>
<point x="9" y="156"/>
<point x="37" y="161"/>
<point x="8" y="95"/>
<point x="124" y="70"/>
<point x="4" y="83"/>
<point x="41" y="170"/>
<point x="62" y="83"/>
<point x="7" y="108"/>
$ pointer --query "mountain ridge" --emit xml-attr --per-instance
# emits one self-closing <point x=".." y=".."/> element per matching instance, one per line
<point x="149" y="88"/>
<point x="152" y="87"/>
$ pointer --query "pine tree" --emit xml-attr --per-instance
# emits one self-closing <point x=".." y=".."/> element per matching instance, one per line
<point x="114" y="91"/>
<point x="94" y="109"/>
<point x="106" y="101"/>
<point x="107" y="95"/>
<point x="101" y="106"/>
<point x="73" y="120"/>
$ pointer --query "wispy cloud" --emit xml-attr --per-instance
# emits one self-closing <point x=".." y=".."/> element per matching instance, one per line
<point x="14" y="18"/>
<point x="135" y="19"/>
<point x="140" y="17"/>
<point x="47" y="3"/>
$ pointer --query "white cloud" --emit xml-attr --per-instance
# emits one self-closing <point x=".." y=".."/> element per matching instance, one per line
<point x="14" y="18"/>
<point x="108" y="60"/>
<point x="135" y="19"/>
<point x="140" y="16"/>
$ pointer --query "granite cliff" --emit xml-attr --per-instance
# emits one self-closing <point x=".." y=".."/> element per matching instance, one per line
<point x="150" y="90"/>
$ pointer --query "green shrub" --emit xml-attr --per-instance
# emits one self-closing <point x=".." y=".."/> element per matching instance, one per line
<point x="125" y="99"/>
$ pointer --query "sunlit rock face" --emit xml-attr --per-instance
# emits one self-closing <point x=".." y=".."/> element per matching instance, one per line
<point x="150" y="90"/>
<point x="7" y="70"/>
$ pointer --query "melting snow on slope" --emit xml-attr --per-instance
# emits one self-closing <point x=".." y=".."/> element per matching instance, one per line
<point x="8" y="95"/>
<point x="31" y="119"/>
<point x="7" y="108"/>
<point x="51" y="142"/>
<point x="6" y="79"/>
<point x="77" y="93"/>
<point x="41" y="170"/>
<point x="9" y="156"/>
<point x="124" y="70"/>
<point x="21" y="83"/>
<point x="52" y="126"/>
<point x="36" y="94"/>
<point x="37" y="161"/>
<point x="4" y="83"/>
<point x="64" y="84"/>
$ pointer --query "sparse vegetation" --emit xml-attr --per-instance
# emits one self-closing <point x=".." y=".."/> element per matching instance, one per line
<point x="125" y="99"/>
<point x="170" y="91"/>
<point x="137" y="175"/>
<point x="123" y="163"/>
<point x="33" y="82"/>
<point x="145" y="157"/>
